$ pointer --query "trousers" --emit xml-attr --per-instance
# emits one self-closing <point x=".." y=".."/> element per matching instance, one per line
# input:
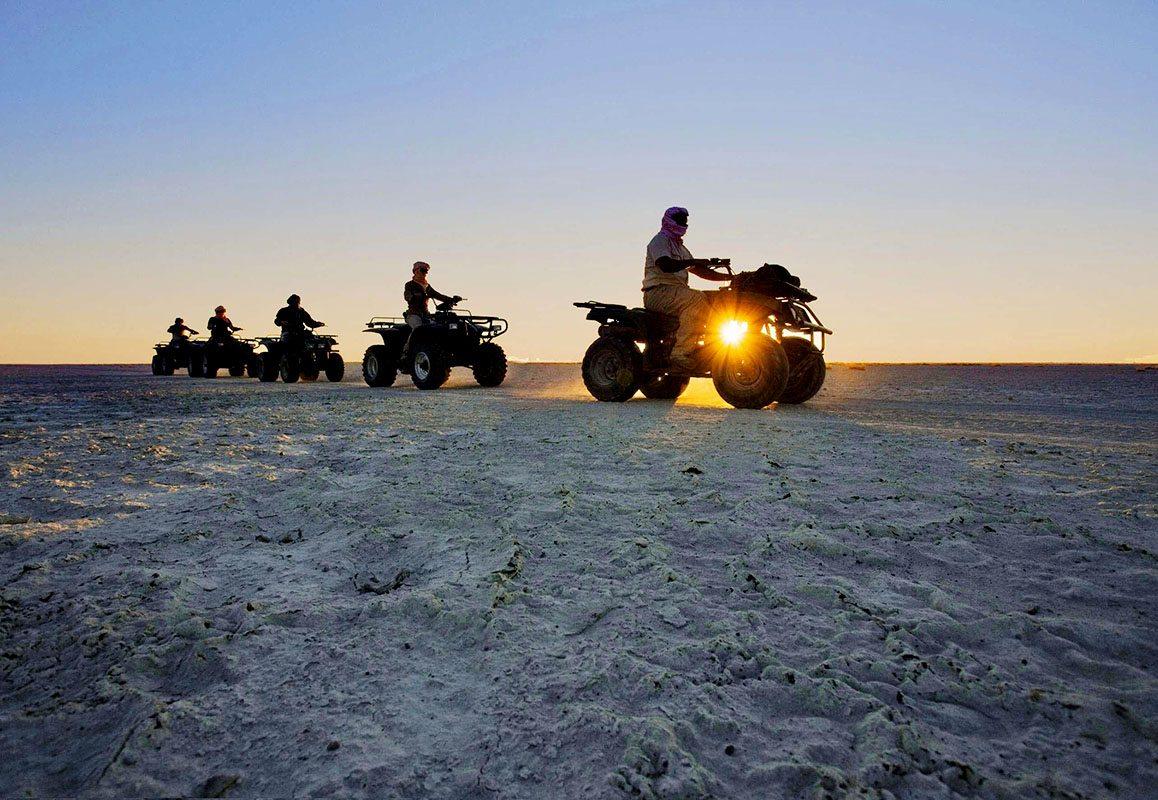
<point x="689" y="305"/>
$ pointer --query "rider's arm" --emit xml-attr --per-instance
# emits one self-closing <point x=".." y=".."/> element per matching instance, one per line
<point x="700" y="267"/>
<point x="310" y="321"/>
<point x="195" y="333"/>
<point x="669" y="264"/>
<point x="707" y="273"/>
<point x="437" y="295"/>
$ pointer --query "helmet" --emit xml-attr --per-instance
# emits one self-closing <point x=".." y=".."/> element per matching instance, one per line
<point x="219" y="310"/>
<point x="293" y="300"/>
<point x="178" y="321"/>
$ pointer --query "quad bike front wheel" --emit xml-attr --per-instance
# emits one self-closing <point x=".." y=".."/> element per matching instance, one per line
<point x="379" y="366"/>
<point x="237" y="369"/>
<point x="807" y="370"/>
<point x="612" y="369"/>
<point x="751" y="374"/>
<point x="310" y="368"/>
<point x="253" y="366"/>
<point x="664" y="387"/>
<point x="290" y="368"/>
<point x="430" y="367"/>
<point x="196" y="364"/>
<point x="335" y="367"/>
<point x="490" y="364"/>
<point x="158" y="365"/>
<point x="268" y="367"/>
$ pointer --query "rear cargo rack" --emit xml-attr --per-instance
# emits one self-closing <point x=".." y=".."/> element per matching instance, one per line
<point x="488" y="327"/>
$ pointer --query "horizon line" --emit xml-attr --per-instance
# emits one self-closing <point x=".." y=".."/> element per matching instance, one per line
<point x="545" y="363"/>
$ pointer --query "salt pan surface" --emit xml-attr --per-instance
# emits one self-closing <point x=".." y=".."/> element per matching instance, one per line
<point x="929" y="582"/>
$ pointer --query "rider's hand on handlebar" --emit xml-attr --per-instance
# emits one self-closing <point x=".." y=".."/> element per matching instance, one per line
<point x="456" y="299"/>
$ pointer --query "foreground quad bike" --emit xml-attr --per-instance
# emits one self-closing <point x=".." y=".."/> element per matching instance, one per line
<point x="449" y="339"/>
<point x="744" y="348"/>
<point x="168" y="357"/>
<point x="302" y="357"/>
<point x="236" y="356"/>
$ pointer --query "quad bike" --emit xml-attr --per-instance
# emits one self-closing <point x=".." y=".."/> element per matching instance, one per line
<point x="235" y="355"/>
<point x="744" y="348"/>
<point x="449" y="339"/>
<point x="168" y="357"/>
<point x="304" y="356"/>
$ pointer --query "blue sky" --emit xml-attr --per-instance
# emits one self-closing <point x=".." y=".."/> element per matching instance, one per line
<point x="950" y="178"/>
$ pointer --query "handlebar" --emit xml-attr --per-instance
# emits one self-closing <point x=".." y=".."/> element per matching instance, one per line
<point x="725" y="263"/>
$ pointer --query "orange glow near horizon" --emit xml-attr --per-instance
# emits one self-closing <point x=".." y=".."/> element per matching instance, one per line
<point x="953" y="184"/>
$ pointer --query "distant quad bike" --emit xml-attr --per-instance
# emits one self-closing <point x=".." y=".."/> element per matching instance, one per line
<point x="168" y="357"/>
<point x="304" y="357"/>
<point x="237" y="356"/>
<point x="744" y="348"/>
<point x="450" y="339"/>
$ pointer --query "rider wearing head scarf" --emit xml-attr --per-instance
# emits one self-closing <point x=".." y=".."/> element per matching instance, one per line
<point x="417" y="292"/>
<point x="671" y="227"/>
<point x="666" y="265"/>
<point x="220" y="327"/>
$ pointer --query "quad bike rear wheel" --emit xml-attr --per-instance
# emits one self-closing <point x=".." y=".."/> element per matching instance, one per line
<point x="751" y="374"/>
<point x="612" y="369"/>
<point x="379" y="365"/>
<point x="269" y="366"/>
<point x="253" y="366"/>
<point x="237" y="369"/>
<point x="807" y="370"/>
<point x="490" y="364"/>
<point x="335" y="367"/>
<point x="430" y="367"/>
<point x="664" y="387"/>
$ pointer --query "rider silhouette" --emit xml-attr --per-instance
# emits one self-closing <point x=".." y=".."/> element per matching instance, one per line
<point x="417" y="293"/>
<point x="666" y="265"/>
<point x="293" y="320"/>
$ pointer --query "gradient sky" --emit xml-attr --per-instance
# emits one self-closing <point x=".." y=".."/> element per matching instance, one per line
<point x="956" y="181"/>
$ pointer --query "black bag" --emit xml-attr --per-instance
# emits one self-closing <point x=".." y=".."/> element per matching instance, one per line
<point x="773" y="280"/>
<point x="775" y="273"/>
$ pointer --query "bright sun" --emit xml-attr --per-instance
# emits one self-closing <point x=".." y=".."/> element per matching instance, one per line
<point x="733" y="331"/>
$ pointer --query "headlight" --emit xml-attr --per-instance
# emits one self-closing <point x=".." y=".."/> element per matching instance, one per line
<point x="732" y="331"/>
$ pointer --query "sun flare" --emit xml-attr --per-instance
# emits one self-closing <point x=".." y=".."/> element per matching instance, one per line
<point x="732" y="331"/>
